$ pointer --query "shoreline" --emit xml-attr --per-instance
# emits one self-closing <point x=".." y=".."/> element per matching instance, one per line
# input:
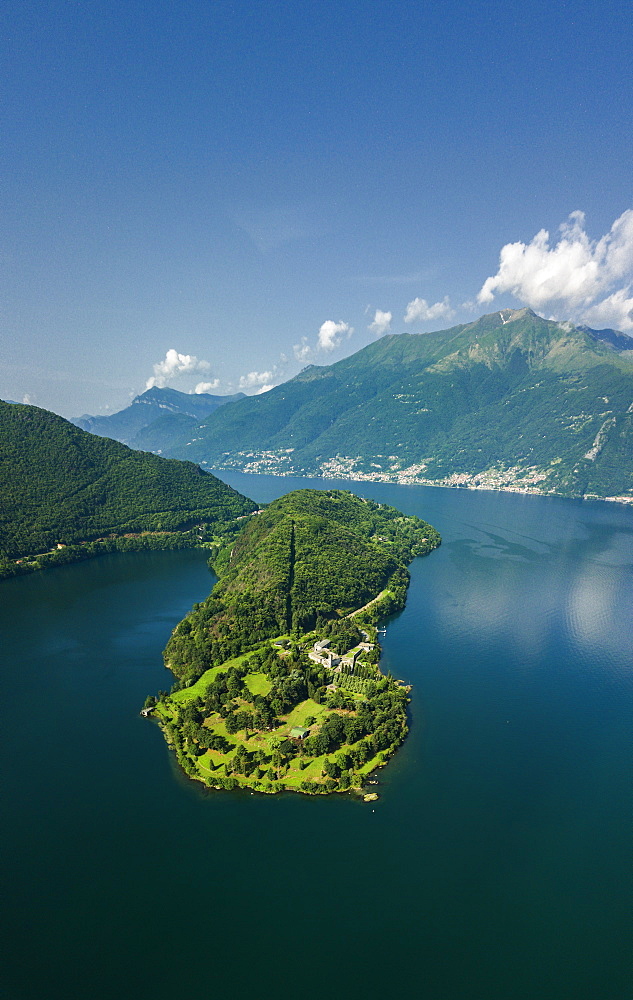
<point x="394" y="479"/>
<point x="76" y="552"/>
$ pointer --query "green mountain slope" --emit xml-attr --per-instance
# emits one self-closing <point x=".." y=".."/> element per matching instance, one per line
<point x="511" y="400"/>
<point x="59" y="484"/>
<point x="310" y="557"/>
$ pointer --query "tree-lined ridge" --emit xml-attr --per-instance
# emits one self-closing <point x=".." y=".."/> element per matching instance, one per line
<point x="67" y="493"/>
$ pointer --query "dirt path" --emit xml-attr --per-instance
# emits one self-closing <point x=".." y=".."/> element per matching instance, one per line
<point x="368" y="605"/>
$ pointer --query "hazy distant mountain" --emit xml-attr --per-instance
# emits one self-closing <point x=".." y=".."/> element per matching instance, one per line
<point x="176" y="411"/>
<point x="509" y="400"/>
<point x="621" y="342"/>
<point x="61" y="484"/>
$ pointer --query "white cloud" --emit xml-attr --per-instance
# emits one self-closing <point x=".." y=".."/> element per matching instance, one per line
<point x="26" y="399"/>
<point x="381" y="322"/>
<point x="331" y="334"/>
<point x="173" y="366"/>
<point x="207" y="386"/>
<point x="419" y="309"/>
<point x="303" y="350"/>
<point x="254" y="379"/>
<point x="579" y="278"/>
<point x="264" y="388"/>
<point x="615" y="311"/>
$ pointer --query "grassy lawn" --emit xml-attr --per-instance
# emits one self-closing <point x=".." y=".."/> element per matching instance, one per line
<point x="211" y="756"/>
<point x="302" y="711"/>
<point x="213" y="763"/>
<point x="198" y="689"/>
<point x="258" y="683"/>
<point x="312" y="773"/>
<point x="164" y="712"/>
<point x="371" y="765"/>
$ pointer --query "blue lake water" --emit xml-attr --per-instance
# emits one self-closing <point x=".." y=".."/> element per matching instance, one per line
<point x="496" y="864"/>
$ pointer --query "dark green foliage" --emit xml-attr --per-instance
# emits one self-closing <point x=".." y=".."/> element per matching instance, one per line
<point x="310" y="557"/>
<point x="59" y="484"/>
<point x="351" y="682"/>
<point x="343" y="634"/>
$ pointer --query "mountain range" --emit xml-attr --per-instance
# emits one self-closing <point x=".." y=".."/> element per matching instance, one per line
<point x="154" y="415"/>
<point x="510" y="401"/>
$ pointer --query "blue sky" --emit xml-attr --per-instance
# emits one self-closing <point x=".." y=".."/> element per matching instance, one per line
<point x="217" y="193"/>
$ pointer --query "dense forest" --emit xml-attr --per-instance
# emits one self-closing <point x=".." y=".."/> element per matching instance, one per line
<point x="310" y="557"/>
<point x="278" y="680"/>
<point x="63" y="486"/>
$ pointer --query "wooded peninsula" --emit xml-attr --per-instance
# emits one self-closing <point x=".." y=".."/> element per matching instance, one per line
<point x="278" y="684"/>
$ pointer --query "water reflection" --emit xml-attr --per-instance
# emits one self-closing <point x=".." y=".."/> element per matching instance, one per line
<point x="595" y="611"/>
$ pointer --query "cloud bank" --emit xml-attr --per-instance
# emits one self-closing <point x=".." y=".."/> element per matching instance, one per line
<point x="255" y="380"/>
<point x="381" y="322"/>
<point x="331" y="334"/>
<point x="302" y="350"/>
<point x="173" y="366"/>
<point x="420" y="310"/>
<point x="206" y="386"/>
<point x="330" y="337"/>
<point x="586" y="280"/>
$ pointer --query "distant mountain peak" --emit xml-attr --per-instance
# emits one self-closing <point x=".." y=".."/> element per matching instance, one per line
<point x="496" y="320"/>
<point x="510" y="315"/>
<point x="613" y="338"/>
<point x="182" y="400"/>
<point x="150" y="406"/>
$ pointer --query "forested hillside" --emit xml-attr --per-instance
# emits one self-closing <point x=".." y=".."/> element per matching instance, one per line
<point x="509" y="400"/>
<point x="308" y="559"/>
<point x="59" y="484"/>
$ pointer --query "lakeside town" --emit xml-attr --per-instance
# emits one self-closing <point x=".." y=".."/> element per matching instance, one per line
<point x="516" y="479"/>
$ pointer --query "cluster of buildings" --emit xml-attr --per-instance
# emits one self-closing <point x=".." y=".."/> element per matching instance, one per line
<point x="325" y="657"/>
<point x="517" y="479"/>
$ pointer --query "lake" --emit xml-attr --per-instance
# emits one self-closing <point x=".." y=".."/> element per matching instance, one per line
<point x="496" y="864"/>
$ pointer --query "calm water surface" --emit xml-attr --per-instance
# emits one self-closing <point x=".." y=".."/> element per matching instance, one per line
<point x="496" y="864"/>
